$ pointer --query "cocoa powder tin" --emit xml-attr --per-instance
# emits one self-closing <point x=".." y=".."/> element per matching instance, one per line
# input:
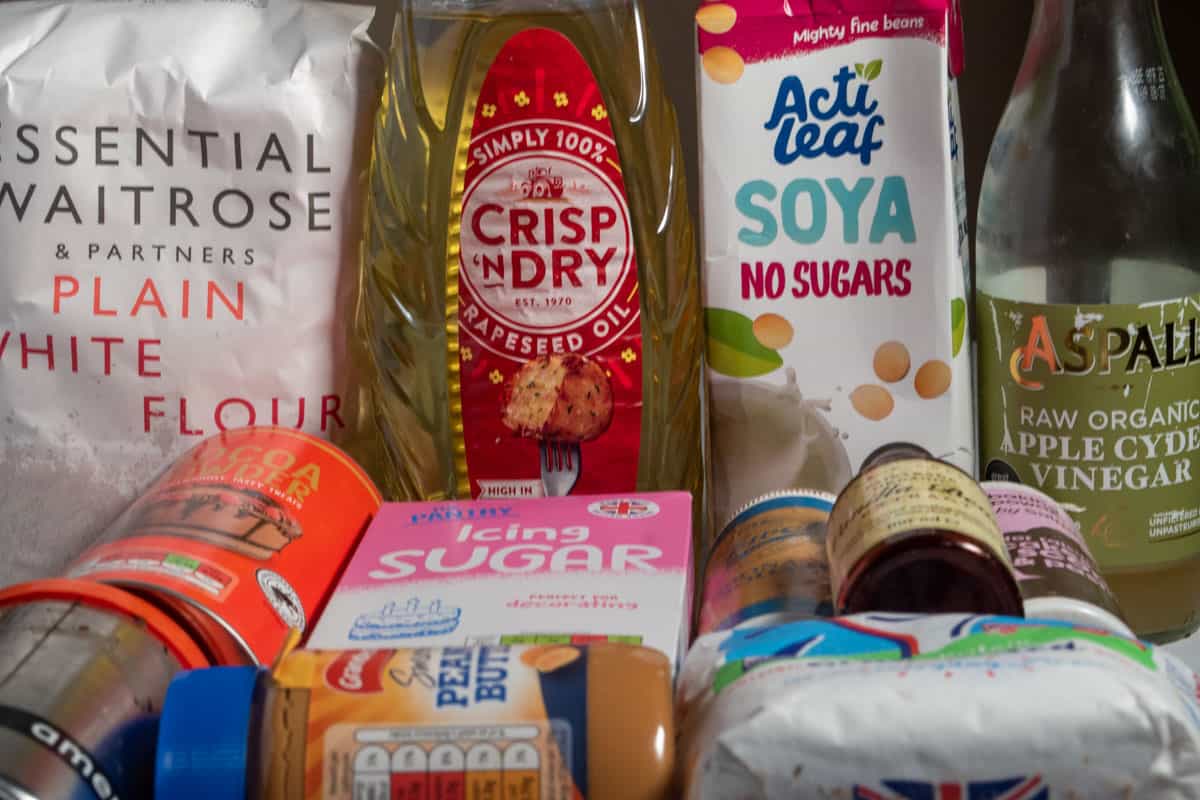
<point x="242" y="539"/>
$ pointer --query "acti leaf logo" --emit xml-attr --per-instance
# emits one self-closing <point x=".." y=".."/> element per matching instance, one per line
<point x="869" y="71"/>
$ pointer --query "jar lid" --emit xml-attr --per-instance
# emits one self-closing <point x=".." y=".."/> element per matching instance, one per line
<point x="204" y="734"/>
<point x="782" y="498"/>
<point x="895" y="451"/>
<point x="179" y="642"/>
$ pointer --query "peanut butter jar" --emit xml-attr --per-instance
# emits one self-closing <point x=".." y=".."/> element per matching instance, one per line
<point x="915" y="534"/>
<point x="554" y="722"/>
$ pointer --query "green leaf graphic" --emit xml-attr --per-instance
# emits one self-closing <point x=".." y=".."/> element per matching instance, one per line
<point x="858" y="70"/>
<point x="872" y="70"/>
<point x="732" y="348"/>
<point x="958" y="323"/>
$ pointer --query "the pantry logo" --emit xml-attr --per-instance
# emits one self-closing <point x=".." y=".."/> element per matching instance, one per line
<point x="834" y="121"/>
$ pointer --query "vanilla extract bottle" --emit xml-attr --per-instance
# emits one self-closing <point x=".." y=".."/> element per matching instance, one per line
<point x="1089" y="285"/>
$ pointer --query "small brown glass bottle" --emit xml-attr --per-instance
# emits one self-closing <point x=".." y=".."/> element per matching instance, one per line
<point x="915" y="534"/>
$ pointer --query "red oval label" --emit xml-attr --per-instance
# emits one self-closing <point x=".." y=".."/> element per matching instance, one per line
<point x="548" y="307"/>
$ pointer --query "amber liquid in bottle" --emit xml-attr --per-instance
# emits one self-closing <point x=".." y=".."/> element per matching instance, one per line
<point x="893" y="547"/>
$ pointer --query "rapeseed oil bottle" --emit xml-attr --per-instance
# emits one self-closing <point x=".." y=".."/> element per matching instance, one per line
<point x="529" y="313"/>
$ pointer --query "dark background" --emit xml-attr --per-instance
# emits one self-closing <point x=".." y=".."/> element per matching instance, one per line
<point x="995" y="31"/>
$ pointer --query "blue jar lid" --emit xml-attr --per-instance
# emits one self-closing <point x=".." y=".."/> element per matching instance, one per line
<point x="204" y="734"/>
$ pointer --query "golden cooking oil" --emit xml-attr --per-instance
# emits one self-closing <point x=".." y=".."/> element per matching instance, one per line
<point x="527" y="217"/>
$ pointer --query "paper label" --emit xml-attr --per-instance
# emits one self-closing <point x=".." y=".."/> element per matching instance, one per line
<point x="904" y="496"/>
<point x="546" y="300"/>
<point x="507" y="723"/>
<point x="769" y="559"/>
<point x="1098" y="407"/>
<point x="1049" y="555"/>
<point x="451" y="724"/>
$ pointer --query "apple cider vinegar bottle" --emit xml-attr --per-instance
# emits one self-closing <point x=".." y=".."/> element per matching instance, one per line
<point x="1089" y="291"/>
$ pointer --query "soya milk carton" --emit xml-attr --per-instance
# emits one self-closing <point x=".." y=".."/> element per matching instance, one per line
<point x="834" y="238"/>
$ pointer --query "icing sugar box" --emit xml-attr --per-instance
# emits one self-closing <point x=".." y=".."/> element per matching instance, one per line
<point x="534" y="571"/>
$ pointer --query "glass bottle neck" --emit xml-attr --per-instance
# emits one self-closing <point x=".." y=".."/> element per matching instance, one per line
<point x="1114" y="31"/>
<point x="1084" y="49"/>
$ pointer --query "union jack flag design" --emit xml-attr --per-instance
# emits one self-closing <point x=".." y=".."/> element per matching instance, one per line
<point x="624" y="508"/>
<point x="1008" y="789"/>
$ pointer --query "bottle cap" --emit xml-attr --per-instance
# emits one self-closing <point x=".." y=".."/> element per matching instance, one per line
<point x="1077" y="612"/>
<point x="810" y="498"/>
<point x="894" y="451"/>
<point x="204" y="734"/>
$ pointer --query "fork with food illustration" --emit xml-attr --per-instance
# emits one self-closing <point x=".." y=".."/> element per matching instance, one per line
<point x="562" y="400"/>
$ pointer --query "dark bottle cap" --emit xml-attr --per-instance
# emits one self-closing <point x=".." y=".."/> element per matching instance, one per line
<point x="893" y="451"/>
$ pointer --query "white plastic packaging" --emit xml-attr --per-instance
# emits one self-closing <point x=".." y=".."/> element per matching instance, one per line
<point x="893" y="706"/>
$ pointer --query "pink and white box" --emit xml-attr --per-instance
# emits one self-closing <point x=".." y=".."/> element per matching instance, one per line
<point x="547" y="570"/>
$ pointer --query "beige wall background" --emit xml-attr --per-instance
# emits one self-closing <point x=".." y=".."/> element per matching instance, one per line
<point x="995" y="31"/>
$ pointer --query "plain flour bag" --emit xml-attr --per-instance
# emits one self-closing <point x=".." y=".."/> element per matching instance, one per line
<point x="179" y="213"/>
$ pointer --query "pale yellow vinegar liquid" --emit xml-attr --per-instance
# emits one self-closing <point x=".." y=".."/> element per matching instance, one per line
<point x="407" y="324"/>
<point x="1161" y="602"/>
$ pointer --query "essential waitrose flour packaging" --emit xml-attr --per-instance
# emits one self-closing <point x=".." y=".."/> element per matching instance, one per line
<point x="834" y="238"/>
<point x="179" y="184"/>
<point x="936" y="706"/>
<point x="557" y="570"/>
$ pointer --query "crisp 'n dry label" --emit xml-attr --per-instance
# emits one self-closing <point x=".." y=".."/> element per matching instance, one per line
<point x="545" y="302"/>
<point x="252" y="526"/>
<point x="904" y="496"/>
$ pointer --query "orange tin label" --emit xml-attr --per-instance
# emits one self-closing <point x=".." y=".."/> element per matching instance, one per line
<point x="252" y="526"/>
